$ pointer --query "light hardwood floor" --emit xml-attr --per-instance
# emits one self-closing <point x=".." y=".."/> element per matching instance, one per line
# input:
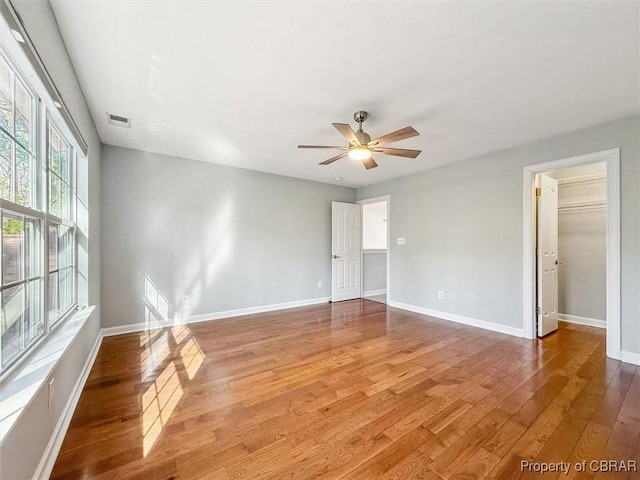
<point x="350" y="390"/>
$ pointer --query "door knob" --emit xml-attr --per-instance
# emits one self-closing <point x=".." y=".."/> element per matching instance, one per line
<point x="335" y="256"/>
<point x="558" y="262"/>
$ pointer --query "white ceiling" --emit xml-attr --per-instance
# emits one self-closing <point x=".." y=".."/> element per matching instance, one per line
<point x="242" y="83"/>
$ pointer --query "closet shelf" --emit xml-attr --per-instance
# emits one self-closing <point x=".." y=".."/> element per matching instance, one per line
<point x="582" y="205"/>
<point x="595" y="177"/>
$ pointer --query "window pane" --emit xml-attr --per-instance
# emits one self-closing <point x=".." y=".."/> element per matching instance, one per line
<point x="23" y="177"/>
<point x="53" y="247"/>
<point x="6" y="167"/>
<point x="34" y="325"/>
<point x="12" y="248"/>
<point x="59" y="154"/>
<point x="65" y="289"/>
<point x="59" y="161"/>
<point x="53" y="149"/>
<point x="24" y="114"/>
<point x="64" y="201"/>
<point x="32" y="248"/>
<point x="54" y="195"/>
<point x="6" y="95"/>
<point x="12" y="320"/>
<point x="65" y="246"/>
<point x="64" y="161"/>
<point x="54" y="308"/>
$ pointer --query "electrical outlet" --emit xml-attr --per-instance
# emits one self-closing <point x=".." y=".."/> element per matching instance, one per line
<point x="185" y="298"/>
<point x="319" y="283"/>
<point x="51" y="392"/>
<point x="440" y="295"/>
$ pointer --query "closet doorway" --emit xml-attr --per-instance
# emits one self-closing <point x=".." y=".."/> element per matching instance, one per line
<point x="571" y="219"/>
<point x="375" y="249"/>
<point x="587" y="213"/>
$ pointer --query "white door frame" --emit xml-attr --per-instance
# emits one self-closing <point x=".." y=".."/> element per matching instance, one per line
<point x="383" y="198"/>
<point x="612" y="159"/>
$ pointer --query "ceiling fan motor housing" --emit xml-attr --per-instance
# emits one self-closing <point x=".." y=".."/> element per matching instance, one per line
<point x="362" y="136"/>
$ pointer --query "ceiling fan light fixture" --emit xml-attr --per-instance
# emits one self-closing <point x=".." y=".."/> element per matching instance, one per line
<point x="359" y="153"/>
<point x="361" y="147"/>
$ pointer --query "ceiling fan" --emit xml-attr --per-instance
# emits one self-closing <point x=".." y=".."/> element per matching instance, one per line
<point x="361" y="147"/>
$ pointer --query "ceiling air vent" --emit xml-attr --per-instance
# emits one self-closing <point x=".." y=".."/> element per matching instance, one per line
<point x="118" y="121"/>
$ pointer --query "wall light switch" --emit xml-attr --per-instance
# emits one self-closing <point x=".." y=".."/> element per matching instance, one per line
<point x="400" y="241"/>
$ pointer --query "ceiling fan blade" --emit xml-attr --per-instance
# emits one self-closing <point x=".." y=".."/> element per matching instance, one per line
<point x="333" y="159"/>
<point x="369" y="163"/>
<point x="398" y="152"/>
<point x="348" y="133"/>
<point x="322" y="146"/>
<point x="406" y="132"/>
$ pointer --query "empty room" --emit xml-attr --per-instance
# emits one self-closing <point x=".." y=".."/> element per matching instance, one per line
<point x="319" y="239"/>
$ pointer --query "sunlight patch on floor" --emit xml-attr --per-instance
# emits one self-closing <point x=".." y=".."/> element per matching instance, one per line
<point x="164" y="394"/>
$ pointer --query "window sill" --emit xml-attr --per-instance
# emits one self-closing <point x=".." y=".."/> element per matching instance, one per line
<point x="20" y="387"/>
<point x="369" y="251"/>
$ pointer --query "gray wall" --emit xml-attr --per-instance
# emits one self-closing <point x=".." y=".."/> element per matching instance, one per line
<point x="582" y="245"/>
<point x="463" y="228"/>
<point x="226" y="237"/>
<point x="374" y="270"/>
<point x="23" y="447"/>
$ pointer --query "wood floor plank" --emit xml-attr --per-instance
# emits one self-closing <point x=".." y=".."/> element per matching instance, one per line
<point x="349" y="390"/>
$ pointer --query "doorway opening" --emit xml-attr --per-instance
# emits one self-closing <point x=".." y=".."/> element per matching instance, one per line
<point x="375" y="249"/>
<point x="571" y="245"/>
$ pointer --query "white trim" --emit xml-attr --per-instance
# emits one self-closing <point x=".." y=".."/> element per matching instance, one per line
<point x="250" y="310"/>
<point x="630" y="357"/>
<point x="472" y="322"/>
<point x="373" y="293"/>
<point x="591" y="322"/>
<point x="383" y="198"/>
<point x="49" y="456"/>
<point x="612" y="159"/>
<point x="122" y="329"/>
<point x="205" y="317"/>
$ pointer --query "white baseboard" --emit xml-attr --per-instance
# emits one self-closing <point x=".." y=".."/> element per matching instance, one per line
<point x="630" y="357"/>
<point x="261" y="309"/>
<point x="122" y="329"/>
<point x="590" y="322"/>
<point x="48" y="460"/>
<point x="373" y="293"/>
<point x="205" y="317"/>
<point x="472" y="322"/>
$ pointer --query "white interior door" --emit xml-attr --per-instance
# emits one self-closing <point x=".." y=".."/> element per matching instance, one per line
<point x="547" y="255"/>
<point x="346" y="246"/>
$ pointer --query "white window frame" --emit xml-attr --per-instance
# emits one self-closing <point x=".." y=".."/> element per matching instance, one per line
<point x="39" y="210"/>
